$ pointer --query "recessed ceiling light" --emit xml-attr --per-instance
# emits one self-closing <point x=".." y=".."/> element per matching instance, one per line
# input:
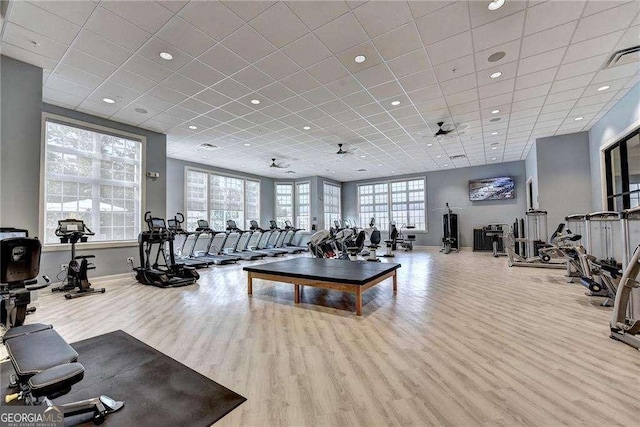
<point x="495" y="111"/>
<point x="446" y="164"/>
<point x="141" y="111"/>
<point x="601" y="88"/>
<point x="493" y="158"/>
<point x="192" y="127"/>
<point x="394" y="103"/>
<point x="579" y="118"/>
<point x="255" y="101"/>
<point x="246" y="144"/>
<point x="495" y="57"/>
<point x="438" y="156"/>
<point x="495" y="75"/>
<point x="363" y="156"/>
<point x="108" y="100"/>
<point x="360" y="59"/>
<point x="494" y="133"/>
<point x="306" y="127"/>
<point x="496" y="4"/>
<point x="429" y="144"/>
<point x="166" y="56"/>
<point x="494" y="148"/>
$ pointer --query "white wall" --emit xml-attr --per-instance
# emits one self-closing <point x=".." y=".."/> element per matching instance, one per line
<point x="620" y="120"/>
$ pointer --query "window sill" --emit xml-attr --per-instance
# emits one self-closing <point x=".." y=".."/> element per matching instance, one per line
<point x="53" y="247"/>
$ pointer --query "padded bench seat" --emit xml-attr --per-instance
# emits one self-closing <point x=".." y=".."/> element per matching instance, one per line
<point x="25" y="330"/>
<point x="34" y="352"/>
<point x="58" y="379"/>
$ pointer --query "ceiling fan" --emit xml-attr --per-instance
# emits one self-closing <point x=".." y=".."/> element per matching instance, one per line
<point x="341" y="151"/>
<point x="444" y="129"/>
<point x="277" y="165"/>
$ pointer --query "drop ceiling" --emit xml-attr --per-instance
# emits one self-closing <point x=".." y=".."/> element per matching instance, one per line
<point x="297" y="59"/>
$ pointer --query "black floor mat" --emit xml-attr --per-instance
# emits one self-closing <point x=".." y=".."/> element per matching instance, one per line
<point x="157" y="390"/>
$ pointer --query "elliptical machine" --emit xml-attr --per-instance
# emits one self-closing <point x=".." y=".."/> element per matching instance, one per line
<point x="73" y="231"/>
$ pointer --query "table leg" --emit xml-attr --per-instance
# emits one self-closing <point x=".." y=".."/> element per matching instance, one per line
<point x="358" y="301"/>
<point x="296" y="293"/>
<point x="395" y="281"/>
<point x="249" y="283"/>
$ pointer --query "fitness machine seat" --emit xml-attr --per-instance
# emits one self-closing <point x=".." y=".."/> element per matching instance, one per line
<point x="46" y="367"/>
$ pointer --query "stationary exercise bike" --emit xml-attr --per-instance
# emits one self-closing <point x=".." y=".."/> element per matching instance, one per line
<point x="73" y="231"/>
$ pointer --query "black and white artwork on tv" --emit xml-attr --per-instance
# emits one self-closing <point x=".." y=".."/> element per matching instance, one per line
<point x="499" y="188"/>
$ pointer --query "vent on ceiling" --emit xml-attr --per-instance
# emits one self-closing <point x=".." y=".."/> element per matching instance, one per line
<point x="290" y="172"/>
<point x="361" y="170"/>
<point x="207" y="146"/>
<point x="622" y="56"/>
<point x="458" y="156"/>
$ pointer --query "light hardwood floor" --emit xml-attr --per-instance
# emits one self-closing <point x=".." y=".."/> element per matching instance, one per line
<point x="466" y="341"/>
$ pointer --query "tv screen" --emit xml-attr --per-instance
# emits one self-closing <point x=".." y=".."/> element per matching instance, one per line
<point x="500" y="188"/>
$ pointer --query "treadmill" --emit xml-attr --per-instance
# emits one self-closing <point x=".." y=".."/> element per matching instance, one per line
<point x="243" y="253"/>
<point x="279" y="241"/>
<point x="175" y="226"/>
<point x="288" y="227"/>
<point x="262" y="248"/>
<point x="210" y="251"/>
<point x="203" y="251"/>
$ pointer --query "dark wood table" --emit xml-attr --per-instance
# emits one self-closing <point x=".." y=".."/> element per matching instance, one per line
<point x="340" y="275"/>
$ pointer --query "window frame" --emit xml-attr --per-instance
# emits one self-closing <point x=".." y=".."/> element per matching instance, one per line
<point x="324" y="211"/>
<point x="63" y="120"/>
<point x="608" y="195"/>
<point x="293" y="199"/>
<point x="210" y="172"/>
<point x="384" y="227"/>
<point x="296" y="204"/>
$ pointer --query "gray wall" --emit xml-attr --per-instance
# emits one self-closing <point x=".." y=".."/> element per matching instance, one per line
<point x="564" y="178"/>
<point x="21" y="108"/>
<point x="531" y="167"/>
<point x="452" y="186"/>
<point x="612" y="126"/>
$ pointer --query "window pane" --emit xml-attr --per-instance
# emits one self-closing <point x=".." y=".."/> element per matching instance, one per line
<point x="284" y="203"/>
<point x="94" y="177"/>
<point x="332" y="208"/>
<point x="407" y="204"/>
<point x="303" y="207"/>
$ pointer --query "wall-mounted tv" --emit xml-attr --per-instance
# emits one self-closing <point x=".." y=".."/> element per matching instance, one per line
<point x="499" y="188"/>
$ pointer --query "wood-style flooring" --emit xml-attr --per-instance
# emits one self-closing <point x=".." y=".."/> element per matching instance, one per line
<point x="466" y="341"/>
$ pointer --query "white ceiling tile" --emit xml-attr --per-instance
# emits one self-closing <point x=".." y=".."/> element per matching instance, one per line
<point x="443" y="23"/>
<point x="22" y="38"/>
<point x="619" y="72"/>
<point x="223" y="60"/>
<point x="212" y="18"/>
<point x="148" y="15"/>
<point x="605" y="22"/>
<point x="145" y="68"/>
<point x="132" y="80"/>
<point x="498" y="32"/>
<point x="421" y="8"/>
<point x="77" y="76"/>
<point x="367" y="49"/>
<point x="451" y="48"/>
<point x="558" y="106"/>
<point x="459" y="84"/>
<point x="252" y="78"/>
<point x="317" y="13"/>
<point x="418" y="80"/>
<point x="183" y="84"/>
<point x="307" y="50"/>
<point x="498" y="88"/>
<point x="276" y="92"/>
<point x="592" y="47"/>
<point x="122" y="95"/>
<point x="523" y="104"/>
<point x="166" y="94"/>
<point x="465" y="97"/>
<point x="344" y="86"/>
<point x="318" y="96"/>
<point x="379" y="17"/>
<point x="74" y="11"/>
<point x="532" y="92"/>
<point x="87" y="63"/>
<point x="480" y="13"/>
<point x="249" y="44"/>
<point x="184" y="114"/>
<point x="279" y="25"/>
<point x="328" y="70"/>
<point x="581" y="81"/>
<point x="564" y="96"/>
<point x="277" y="65"/>
<point x="42" y="22"/>
<point x="100" y="109"/>
<point x="552" y="13"/>
<point x="174" y="5"/>
<point x="300" y="82"/>
<point x="185" y="37"/>
<point x="201" y="73"/>
<point x="409" y="64"/>
<point x="584" y="66"/>
<point x="541" y="61"/>
<point x="101" y="48"/>
<point x="511" y="51"/>
<point x="237" y="108"/>
<point x="231" y="88"/>
<point x="425" y="94"/>
<point x="536" y="79"/>
<point x="629" y="39"/>
<point x="466" y="109"/>
<point x="56" y="84"/>
<point x="456" y="68"/>
<point x="547" y="40"/>
<point x="386" y="90"/>
<point x="114" y="28"/>
<point x="342" y="33"/>
<point x="150" y="102"/>
<point x="595" y="99"/>
<point x="374" y="76"/>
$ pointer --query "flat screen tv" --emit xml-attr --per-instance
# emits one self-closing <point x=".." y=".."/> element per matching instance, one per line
<point x="499" y="188"/>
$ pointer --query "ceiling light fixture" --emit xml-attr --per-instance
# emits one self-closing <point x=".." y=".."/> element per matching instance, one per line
<point x="438" y="157"/>
<point x="495" y="111"/>
<point x="108" y="100"/>
<point x="496" y="4"/>
<point x="494" y="133"/>
<point x="394" y="103"/>
<point x="246" y="144"/>
<point x="579" y="118"/>
<point x="255" y="101"/>
<point x="446" y="164"/>
<point x="493" y="158"/>
<point x="307" y="128"/>
<point x="166" y="56"/>
<point x="360" y="59"/>
<point x="601" y="88"/>
<point x="429" y="144"/>
<point x="192" y="127"/>
<point x="141" y="111"/>
<point x="495" y="75"/>
<point x="363" y="156"/>
<point x="494" y="148"/>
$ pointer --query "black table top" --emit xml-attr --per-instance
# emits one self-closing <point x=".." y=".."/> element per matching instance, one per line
<point x="334" y="270"/>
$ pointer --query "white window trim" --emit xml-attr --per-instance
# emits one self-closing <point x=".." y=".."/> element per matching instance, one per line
<point x="50" y="247"/>
<point x="226" y="175"/>
<point x="293" y="198"/>
<point x="295" y="202"/>
<point x="603" y="168"/>
<point x="388" y="183"/>
<point x="324" y="213"/>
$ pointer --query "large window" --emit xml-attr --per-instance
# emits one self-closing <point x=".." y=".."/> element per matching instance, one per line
<point x="284" y="203"/>
<point x="331" y="204"/>
<point x="218" y="198"/>
<point x="402" y="202"/>
<point x="303" y="205"/>
<point x="622" y="166"/>
<point x="94" y="175"/>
